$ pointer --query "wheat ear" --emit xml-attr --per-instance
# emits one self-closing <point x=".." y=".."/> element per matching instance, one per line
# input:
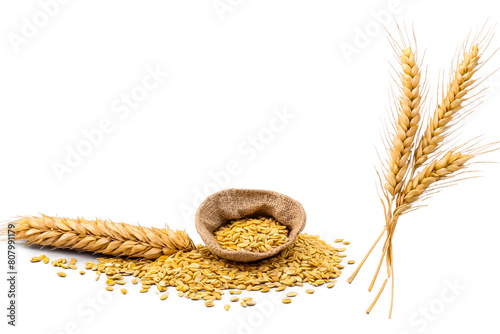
<point x="451" y="104"/>
<point x="435" y="171"/>
<point x="406" y="124"/>
<point x="101" y="236"/>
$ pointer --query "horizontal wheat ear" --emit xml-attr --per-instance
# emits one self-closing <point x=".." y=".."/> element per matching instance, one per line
<point x="101" y="236"/>
<point x="420" y="155"/>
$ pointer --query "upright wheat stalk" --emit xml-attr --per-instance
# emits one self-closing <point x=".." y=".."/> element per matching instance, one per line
<point x="410" y="174"/>
<point x="452" y="103"/>
<point x="406" y="124"/>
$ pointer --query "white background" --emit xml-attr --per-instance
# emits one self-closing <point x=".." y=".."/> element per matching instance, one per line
<point x="228" y="74"/>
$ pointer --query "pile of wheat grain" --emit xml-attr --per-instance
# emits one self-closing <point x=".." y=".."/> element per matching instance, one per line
<point x="198" y="274"/>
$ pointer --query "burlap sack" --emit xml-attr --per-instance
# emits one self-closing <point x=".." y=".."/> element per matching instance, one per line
<point x="230" y="204"/>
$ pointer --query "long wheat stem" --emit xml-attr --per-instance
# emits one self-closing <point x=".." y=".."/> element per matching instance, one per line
<point x="377" y="297"/>
<point x="384" y="250"/>
<point x="355" y="273"/>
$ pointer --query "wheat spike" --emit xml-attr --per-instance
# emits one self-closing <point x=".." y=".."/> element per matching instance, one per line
<point x="101" y="236"/>
<point x="435" y="171"/>
<point x="406" y="123"/>
<point x="451" y="104"/>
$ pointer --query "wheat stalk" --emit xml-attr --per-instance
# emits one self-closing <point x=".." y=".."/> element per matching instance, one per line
<point x="451" y="104"/>
<point x="407" y="122"/>
<point x="406" y="126"/>
<point x="101" y="236"/>
<point x="404" y="185"/>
